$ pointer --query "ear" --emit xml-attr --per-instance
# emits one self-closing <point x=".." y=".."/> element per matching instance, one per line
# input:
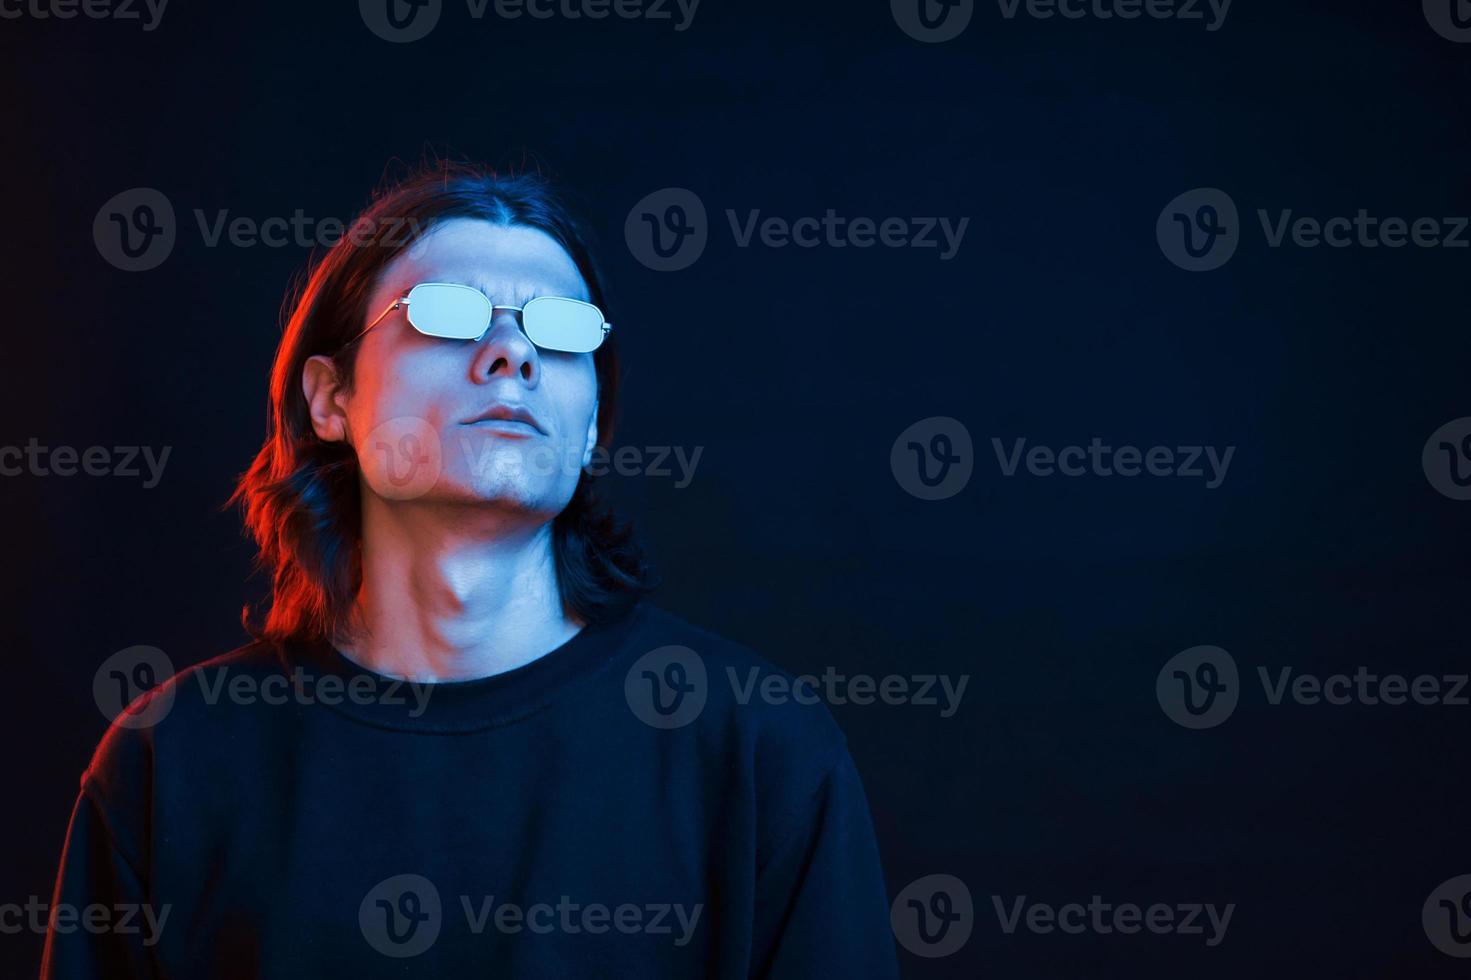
<point x="324" y="398"/>
<point x="592" y="435"/>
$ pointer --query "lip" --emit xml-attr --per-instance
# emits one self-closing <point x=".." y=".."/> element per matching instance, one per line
<point x="509" y="418"/>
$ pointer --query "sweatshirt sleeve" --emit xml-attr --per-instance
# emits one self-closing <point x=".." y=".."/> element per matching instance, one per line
<point x="821" y="901"/>
<point x="102" y="923"/>
<point x="94" y="872"/>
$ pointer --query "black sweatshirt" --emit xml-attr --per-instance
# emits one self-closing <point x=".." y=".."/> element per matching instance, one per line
<point x="629" y="805"/>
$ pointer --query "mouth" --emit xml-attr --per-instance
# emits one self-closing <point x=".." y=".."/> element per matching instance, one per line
<point x="511" y="420"/>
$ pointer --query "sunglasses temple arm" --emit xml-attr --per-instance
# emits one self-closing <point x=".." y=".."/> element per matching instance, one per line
<point x="403" y="301"/>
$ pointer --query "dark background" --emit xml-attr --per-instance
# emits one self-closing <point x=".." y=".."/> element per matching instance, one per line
<point x="1325" y="549"/>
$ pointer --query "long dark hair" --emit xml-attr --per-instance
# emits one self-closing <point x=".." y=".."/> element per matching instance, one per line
<point x="300" y="496"/>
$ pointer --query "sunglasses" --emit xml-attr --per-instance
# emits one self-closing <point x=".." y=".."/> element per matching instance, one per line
<point x="455" y="312"/>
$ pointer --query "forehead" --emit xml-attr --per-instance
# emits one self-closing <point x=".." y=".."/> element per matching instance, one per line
<point x="509" y="264"/>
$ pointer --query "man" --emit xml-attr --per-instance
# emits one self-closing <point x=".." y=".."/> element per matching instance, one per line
<point x="463" y="741"/>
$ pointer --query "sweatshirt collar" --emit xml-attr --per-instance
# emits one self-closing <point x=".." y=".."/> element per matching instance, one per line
<point x="463" y="706"/>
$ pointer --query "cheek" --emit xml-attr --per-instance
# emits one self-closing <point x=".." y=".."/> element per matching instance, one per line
<point x="397" y="420"/>
<point x="573" y="389"/>
<point x="394" y="384"/>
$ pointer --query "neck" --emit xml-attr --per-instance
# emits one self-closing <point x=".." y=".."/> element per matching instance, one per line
<point x="454" y="593"/>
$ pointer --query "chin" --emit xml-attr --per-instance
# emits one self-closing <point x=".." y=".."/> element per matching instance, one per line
<point x="506" y="492"/>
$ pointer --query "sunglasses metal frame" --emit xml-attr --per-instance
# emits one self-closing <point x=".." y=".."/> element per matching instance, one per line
<point x="403" y="302"/>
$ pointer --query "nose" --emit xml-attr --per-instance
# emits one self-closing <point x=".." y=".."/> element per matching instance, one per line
<point x="506" y="351"/>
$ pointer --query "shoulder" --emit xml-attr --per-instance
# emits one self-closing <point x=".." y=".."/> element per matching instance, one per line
<point x="176" y="714"/>
<point x="765" y="734"/>
<point x="684" y="676"/>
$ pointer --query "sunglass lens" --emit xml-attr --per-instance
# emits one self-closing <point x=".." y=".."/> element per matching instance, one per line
<point x="446" y="310"/>
<point x="555" y="323"/>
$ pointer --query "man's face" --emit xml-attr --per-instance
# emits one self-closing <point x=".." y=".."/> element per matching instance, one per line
<point x="417" y="407"/>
